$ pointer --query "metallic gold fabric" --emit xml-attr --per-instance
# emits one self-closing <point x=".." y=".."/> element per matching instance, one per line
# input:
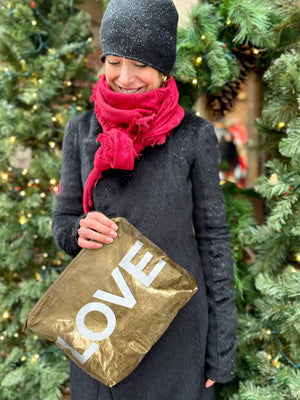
<point x="109" y="306"/>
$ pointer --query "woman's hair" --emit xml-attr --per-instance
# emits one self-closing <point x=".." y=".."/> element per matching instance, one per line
<point x="142" y="30"/>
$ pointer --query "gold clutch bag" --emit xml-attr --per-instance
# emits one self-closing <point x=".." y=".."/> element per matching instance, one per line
<point x="109" y="306"/>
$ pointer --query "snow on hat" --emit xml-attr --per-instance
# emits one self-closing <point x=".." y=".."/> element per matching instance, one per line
<point x="142" y="30"/>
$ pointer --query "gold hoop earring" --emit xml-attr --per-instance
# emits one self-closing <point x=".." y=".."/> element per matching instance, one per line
<point x="164" y="78"/>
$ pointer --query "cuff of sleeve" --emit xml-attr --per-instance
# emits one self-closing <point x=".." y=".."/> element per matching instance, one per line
<point x="219" y="376"/>
<point x="74" y="247"/>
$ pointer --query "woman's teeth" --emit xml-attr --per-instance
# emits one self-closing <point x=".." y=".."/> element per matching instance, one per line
<point x="128" y="91"/>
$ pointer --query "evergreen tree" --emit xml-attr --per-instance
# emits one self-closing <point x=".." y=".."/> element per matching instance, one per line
<point x="43" y="75"/>
<point x="223" y="41"/>
<point x="269" y="330"/>
<point x="269" y="333"/>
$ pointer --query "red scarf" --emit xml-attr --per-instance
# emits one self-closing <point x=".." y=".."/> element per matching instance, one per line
<point x="130" y="122"/>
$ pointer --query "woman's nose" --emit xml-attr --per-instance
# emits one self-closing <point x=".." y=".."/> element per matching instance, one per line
<point x="126" y="76"/>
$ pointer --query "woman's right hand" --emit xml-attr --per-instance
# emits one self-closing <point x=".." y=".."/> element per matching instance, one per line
<point x="96" y="229"/>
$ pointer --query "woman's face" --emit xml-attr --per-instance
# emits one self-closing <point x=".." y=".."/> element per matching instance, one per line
<point x="129" y="76"/>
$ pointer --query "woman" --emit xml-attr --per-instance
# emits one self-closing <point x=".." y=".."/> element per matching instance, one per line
<point x="139" y="156"/>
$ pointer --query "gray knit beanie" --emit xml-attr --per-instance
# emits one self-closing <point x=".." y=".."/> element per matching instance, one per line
<point x="142" y="30"/>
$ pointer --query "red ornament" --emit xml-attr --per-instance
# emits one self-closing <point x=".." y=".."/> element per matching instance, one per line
<point x="224" y="45"/>
<point x="32" y="4"/>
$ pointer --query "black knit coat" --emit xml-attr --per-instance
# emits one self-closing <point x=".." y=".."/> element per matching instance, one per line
<point x="173" y="196"/>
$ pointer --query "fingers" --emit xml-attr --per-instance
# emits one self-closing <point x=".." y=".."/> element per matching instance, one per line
<point x="209" y="383"/>
<point x="96" y="229"/>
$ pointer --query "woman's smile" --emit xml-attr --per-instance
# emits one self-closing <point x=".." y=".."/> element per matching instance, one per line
<point x="129" y="76"/>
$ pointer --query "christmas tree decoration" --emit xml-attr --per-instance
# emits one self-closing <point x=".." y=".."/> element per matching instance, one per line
<point x="42" y="46"/>
<point x="268" y="364"/>
<point x="233" y="38"/>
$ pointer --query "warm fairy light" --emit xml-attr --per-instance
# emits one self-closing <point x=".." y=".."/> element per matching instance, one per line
<point x="195" y="81"/>
<point x="23" y="193"/>
<point x="6" y="315"/>
<point x="12" y="139"/>
<point x="34" y="22"/>
<point x="281" y="125"/>
<point x="43" y="195"/>
<point x="4" y="176"/>
<point x="52" y="144"/>
<point x="203" y="37"/>
<point x="22" y="220"/>
<point x="38" y="277"/>
<point x="53" y="181"/>
<point x="255" y="51"/>
<point x="34" y="358"/>
<point x="198" y="113"/>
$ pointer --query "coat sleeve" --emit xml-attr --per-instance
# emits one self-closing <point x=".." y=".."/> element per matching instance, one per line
<point x="213" y="240"/>
<point x="68" y="209"/>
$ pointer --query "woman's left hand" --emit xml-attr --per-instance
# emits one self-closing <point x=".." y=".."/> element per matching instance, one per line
<point x="209" y="383"/>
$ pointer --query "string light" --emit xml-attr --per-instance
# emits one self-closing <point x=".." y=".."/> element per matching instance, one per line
<point x="281" y="125"/>
<point x="4" y="176"/>
<point x="195" y="81"/>
<point x="6" y="315"/>
<point x="34" y="358"/>
<point x="38" y="277"/>
<point x="52" y="144"/>
<point x="34" y="22"/>
<point x="22" y="220"/>
<point x="203" y="37"/>
<point x="198" y="61"/>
